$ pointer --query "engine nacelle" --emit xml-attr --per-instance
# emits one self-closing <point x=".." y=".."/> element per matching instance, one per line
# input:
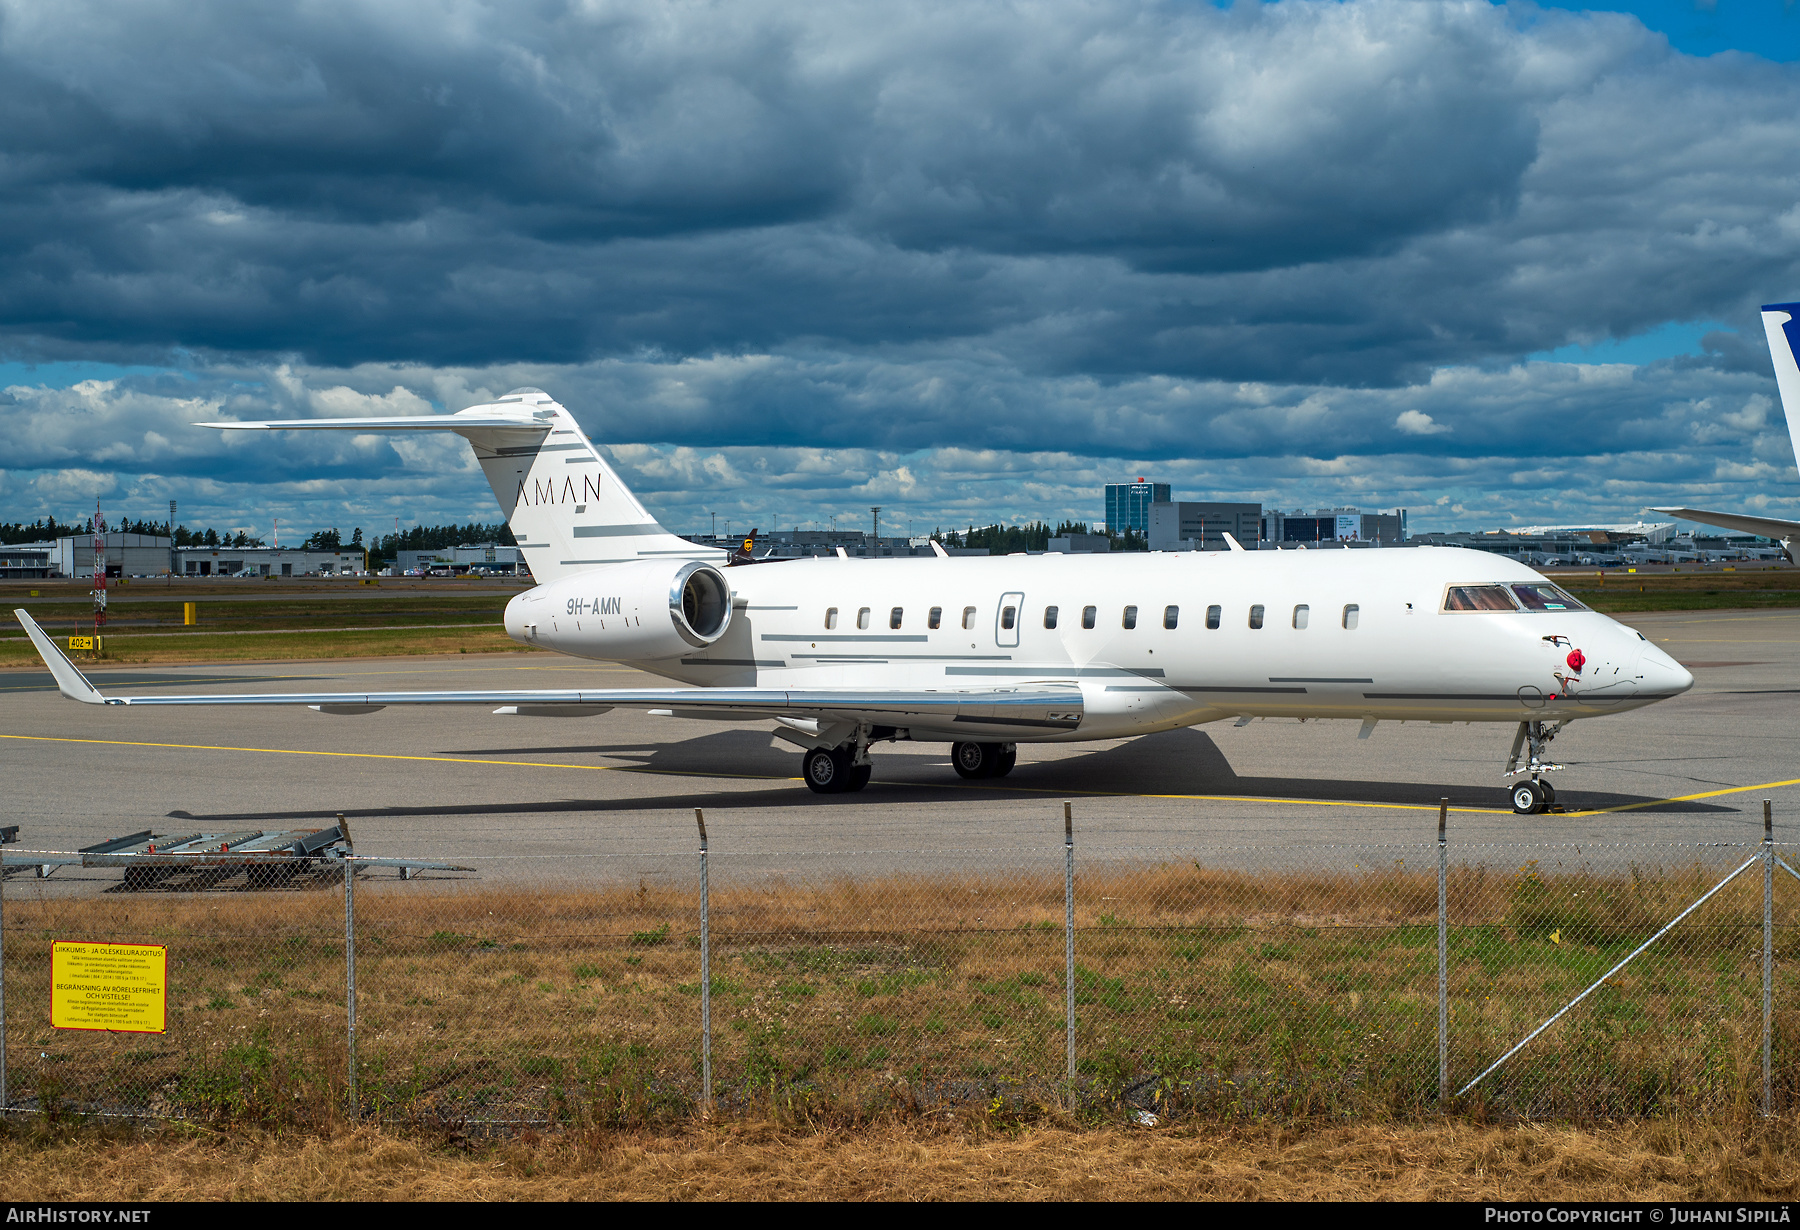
<point x="629" y="612"/>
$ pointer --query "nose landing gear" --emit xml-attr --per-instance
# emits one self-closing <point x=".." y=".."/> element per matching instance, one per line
<point x="1537" y="795"/>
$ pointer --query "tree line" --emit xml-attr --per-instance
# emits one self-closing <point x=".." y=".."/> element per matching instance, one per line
<point x="48" y="529"/>
<point x="1007" y="539"/>
<point x="385" y="547"/>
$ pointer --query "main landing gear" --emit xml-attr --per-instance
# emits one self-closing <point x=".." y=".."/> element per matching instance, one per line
<point x="984" y="759"/>
<point x="1533" y="797"/>
<point x="834" y="770"/>
<point x="846" y="768"/>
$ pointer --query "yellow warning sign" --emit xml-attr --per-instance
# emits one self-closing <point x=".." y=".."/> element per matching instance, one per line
<point x="109" y="986"/>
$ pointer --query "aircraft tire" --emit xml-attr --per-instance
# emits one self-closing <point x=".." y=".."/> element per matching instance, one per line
<point x="857" y="778"/>
<point x="1527" y="799"/>
<point x="973" y="760"/>
<point x="1003" y="764"/>
<point x="827" y="771"/>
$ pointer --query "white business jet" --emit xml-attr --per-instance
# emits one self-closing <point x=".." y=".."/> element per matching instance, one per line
<point x="985" y="654"/>
<point x="1781" y="324"/>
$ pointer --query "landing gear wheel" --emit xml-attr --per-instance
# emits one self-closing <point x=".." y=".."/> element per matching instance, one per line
<point x="827" y="770"/>
<point x="975" y="759"/>
<point x="1528" y="798"/>
<point x="1003" y="764"/>
<point x="1549" y="794"/>
<point x="830" y="771"/>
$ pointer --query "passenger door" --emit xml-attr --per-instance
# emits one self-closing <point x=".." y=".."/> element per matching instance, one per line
<point x="1007" y="619"/>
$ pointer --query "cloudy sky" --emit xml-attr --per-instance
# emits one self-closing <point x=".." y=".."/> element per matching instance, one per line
<point x="968" y="261"/>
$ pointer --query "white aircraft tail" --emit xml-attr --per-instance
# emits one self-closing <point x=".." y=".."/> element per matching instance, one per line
<point x="1781" y="321"/>
<point x="566" y="506"/>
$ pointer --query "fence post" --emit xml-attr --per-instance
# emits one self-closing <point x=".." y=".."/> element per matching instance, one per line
<point x="706" y="1079"/>
<point x="1443" y="996"/>
<point x="350" y="960"/>
<point x="1069" y="927"/>
<point x="1768" y="946"/>
<point x="5" y="1099"/>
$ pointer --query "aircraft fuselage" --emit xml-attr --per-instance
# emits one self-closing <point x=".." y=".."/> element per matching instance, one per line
<point x="1154" y="641"/>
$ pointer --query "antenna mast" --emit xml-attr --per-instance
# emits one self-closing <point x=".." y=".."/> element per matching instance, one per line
<point x="99" y="576"/>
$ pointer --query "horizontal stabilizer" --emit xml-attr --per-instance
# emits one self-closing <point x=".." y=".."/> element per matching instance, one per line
<point x="406" y="422"/>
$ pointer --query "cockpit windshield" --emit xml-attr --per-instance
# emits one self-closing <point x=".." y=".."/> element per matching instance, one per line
<point x="1545" y="598"/>
<point x="1478" y="598"/>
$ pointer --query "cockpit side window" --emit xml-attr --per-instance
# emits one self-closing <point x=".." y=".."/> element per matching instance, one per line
<point x="1545" y="598"/>
<point x="1477" y="598"/>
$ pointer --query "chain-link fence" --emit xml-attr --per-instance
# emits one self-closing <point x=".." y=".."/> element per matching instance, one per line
<point x="1359" y="981"/>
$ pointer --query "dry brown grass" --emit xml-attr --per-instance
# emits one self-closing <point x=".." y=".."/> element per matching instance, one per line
<point x="943" y="1159"/>
<point x="1209" y="994"/>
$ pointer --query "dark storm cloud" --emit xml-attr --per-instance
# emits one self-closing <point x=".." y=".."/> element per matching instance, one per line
<point x="1275" y="250"/>
<point x="1348" y="193"/>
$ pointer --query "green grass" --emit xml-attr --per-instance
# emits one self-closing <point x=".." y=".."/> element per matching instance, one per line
<point x="1757" y="587"/>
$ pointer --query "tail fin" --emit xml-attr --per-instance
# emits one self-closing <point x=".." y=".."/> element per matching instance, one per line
<point x="565" y="505"/>
<point x="1781" y="321"/>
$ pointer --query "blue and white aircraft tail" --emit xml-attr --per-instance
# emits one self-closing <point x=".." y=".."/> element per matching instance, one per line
<point x="1781" y="322"/>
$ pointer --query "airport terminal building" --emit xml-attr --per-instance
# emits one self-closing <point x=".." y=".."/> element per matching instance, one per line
<point x="145" y="555"/>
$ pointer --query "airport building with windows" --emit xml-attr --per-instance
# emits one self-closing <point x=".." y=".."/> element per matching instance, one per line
<point x="1201" y="526"/>
<point x="262" y="562"/>
<point x="481" y="557"/>
<point x="1128" y="505"/>
<point x="145" y="555"/>
<point x="1334" y="525"/>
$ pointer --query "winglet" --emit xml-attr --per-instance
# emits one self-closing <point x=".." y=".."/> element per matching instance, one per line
<point x="1781" y="322"/>
<point x="69" y="681"/>
<point x="1233" y="543"/>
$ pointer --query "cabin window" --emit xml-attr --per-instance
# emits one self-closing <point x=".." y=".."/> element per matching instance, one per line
<point x="1212" y="616"/>
<point x="1087" y="615"/>
<point x="862" y="618"/>
<point x="968" y="617"/>
<point x="894" y="617"/>
<point x="1008" y="616"/>
<point x="1049" y="617"/>
<point x="1300" y="615"/>
<point x="1477" y="598"/>
<point x="1350" y="613"/>
<point x="1130" y="618"/>
<point x="1256" y="616"/>
<point x="935" y="618"/>
<point x="1171" y="615"/>
<point x="1545" y="598"/>
<point x="831" y="618"/>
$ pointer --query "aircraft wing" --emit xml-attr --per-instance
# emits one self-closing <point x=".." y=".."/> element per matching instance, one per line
<point x="992" y="713"/>
<point x="1766" y="527"/>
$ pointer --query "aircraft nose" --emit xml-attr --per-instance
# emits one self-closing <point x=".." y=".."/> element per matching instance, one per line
<point x="1662" y="674"/>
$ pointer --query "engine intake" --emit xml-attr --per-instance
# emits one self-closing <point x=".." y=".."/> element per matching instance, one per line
<point x="637" y="611"/>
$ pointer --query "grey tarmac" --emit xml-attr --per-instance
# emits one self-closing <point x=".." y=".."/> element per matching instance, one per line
<point x="613" y="797"/>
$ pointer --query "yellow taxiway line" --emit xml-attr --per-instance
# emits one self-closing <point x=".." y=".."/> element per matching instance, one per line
<point x="996" y="786"/>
